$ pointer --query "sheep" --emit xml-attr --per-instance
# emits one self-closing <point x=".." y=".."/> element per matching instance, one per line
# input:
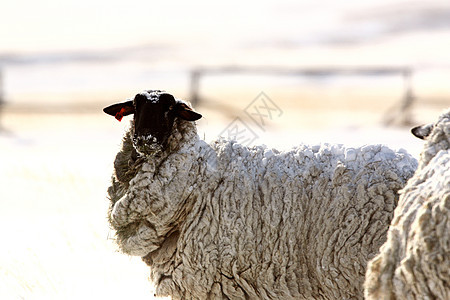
<point x="414" y="263"/>
<point x="225" y="221"/>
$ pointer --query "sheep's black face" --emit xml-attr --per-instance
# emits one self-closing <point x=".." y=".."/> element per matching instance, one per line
<point x="155" y="113"/>
<point x="153" y="120"/>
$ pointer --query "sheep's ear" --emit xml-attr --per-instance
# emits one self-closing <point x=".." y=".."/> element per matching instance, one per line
<point x="423" y="131"/>
<point x="119" y="110"/>
<point x="183" y="111"/>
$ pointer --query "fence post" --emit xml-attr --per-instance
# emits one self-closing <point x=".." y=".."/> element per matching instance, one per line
<point x="401" y="114"/>
<point x="2" y="97"/>
<point x="194" y="86"/>
<point x="408" y="96"/>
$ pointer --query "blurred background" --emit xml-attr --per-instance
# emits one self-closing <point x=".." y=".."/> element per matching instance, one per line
<point x="350" y="72"/>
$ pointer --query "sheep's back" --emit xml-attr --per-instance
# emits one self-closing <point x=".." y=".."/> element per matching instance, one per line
<point x="299" y="223"/>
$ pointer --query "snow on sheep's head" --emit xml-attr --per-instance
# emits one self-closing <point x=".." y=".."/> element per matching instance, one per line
<point x="155" y="113"/>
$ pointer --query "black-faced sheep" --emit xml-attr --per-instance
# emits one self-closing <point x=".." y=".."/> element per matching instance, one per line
<point x="414" y="263"/>
<point x="224" y="221"/>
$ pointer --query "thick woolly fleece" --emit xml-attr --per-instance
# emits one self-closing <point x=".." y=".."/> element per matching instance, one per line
<point x="414" y="263"/>
<point x="223" y="221"/>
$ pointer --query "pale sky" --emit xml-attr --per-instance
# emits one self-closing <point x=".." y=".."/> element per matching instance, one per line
<point x="27" y="25"/>
<point x="287" y="33"/>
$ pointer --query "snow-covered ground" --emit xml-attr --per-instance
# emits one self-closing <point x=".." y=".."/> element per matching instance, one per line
<point x="54" y="172"/>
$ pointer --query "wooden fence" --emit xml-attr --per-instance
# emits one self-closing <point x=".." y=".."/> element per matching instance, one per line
<point x="401" y="113"/>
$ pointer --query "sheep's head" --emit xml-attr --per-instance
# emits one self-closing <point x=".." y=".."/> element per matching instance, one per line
<point x="439" y="130"/>
<point x="437" y="136"/>
<point x="155" y="113"/>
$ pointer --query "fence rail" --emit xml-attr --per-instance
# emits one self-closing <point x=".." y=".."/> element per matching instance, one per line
<point x="400" y="115"/>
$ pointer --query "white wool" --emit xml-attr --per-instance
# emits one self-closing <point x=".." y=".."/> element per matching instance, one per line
<point x="414" y="263"/>
<point x="222" y="220"/>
